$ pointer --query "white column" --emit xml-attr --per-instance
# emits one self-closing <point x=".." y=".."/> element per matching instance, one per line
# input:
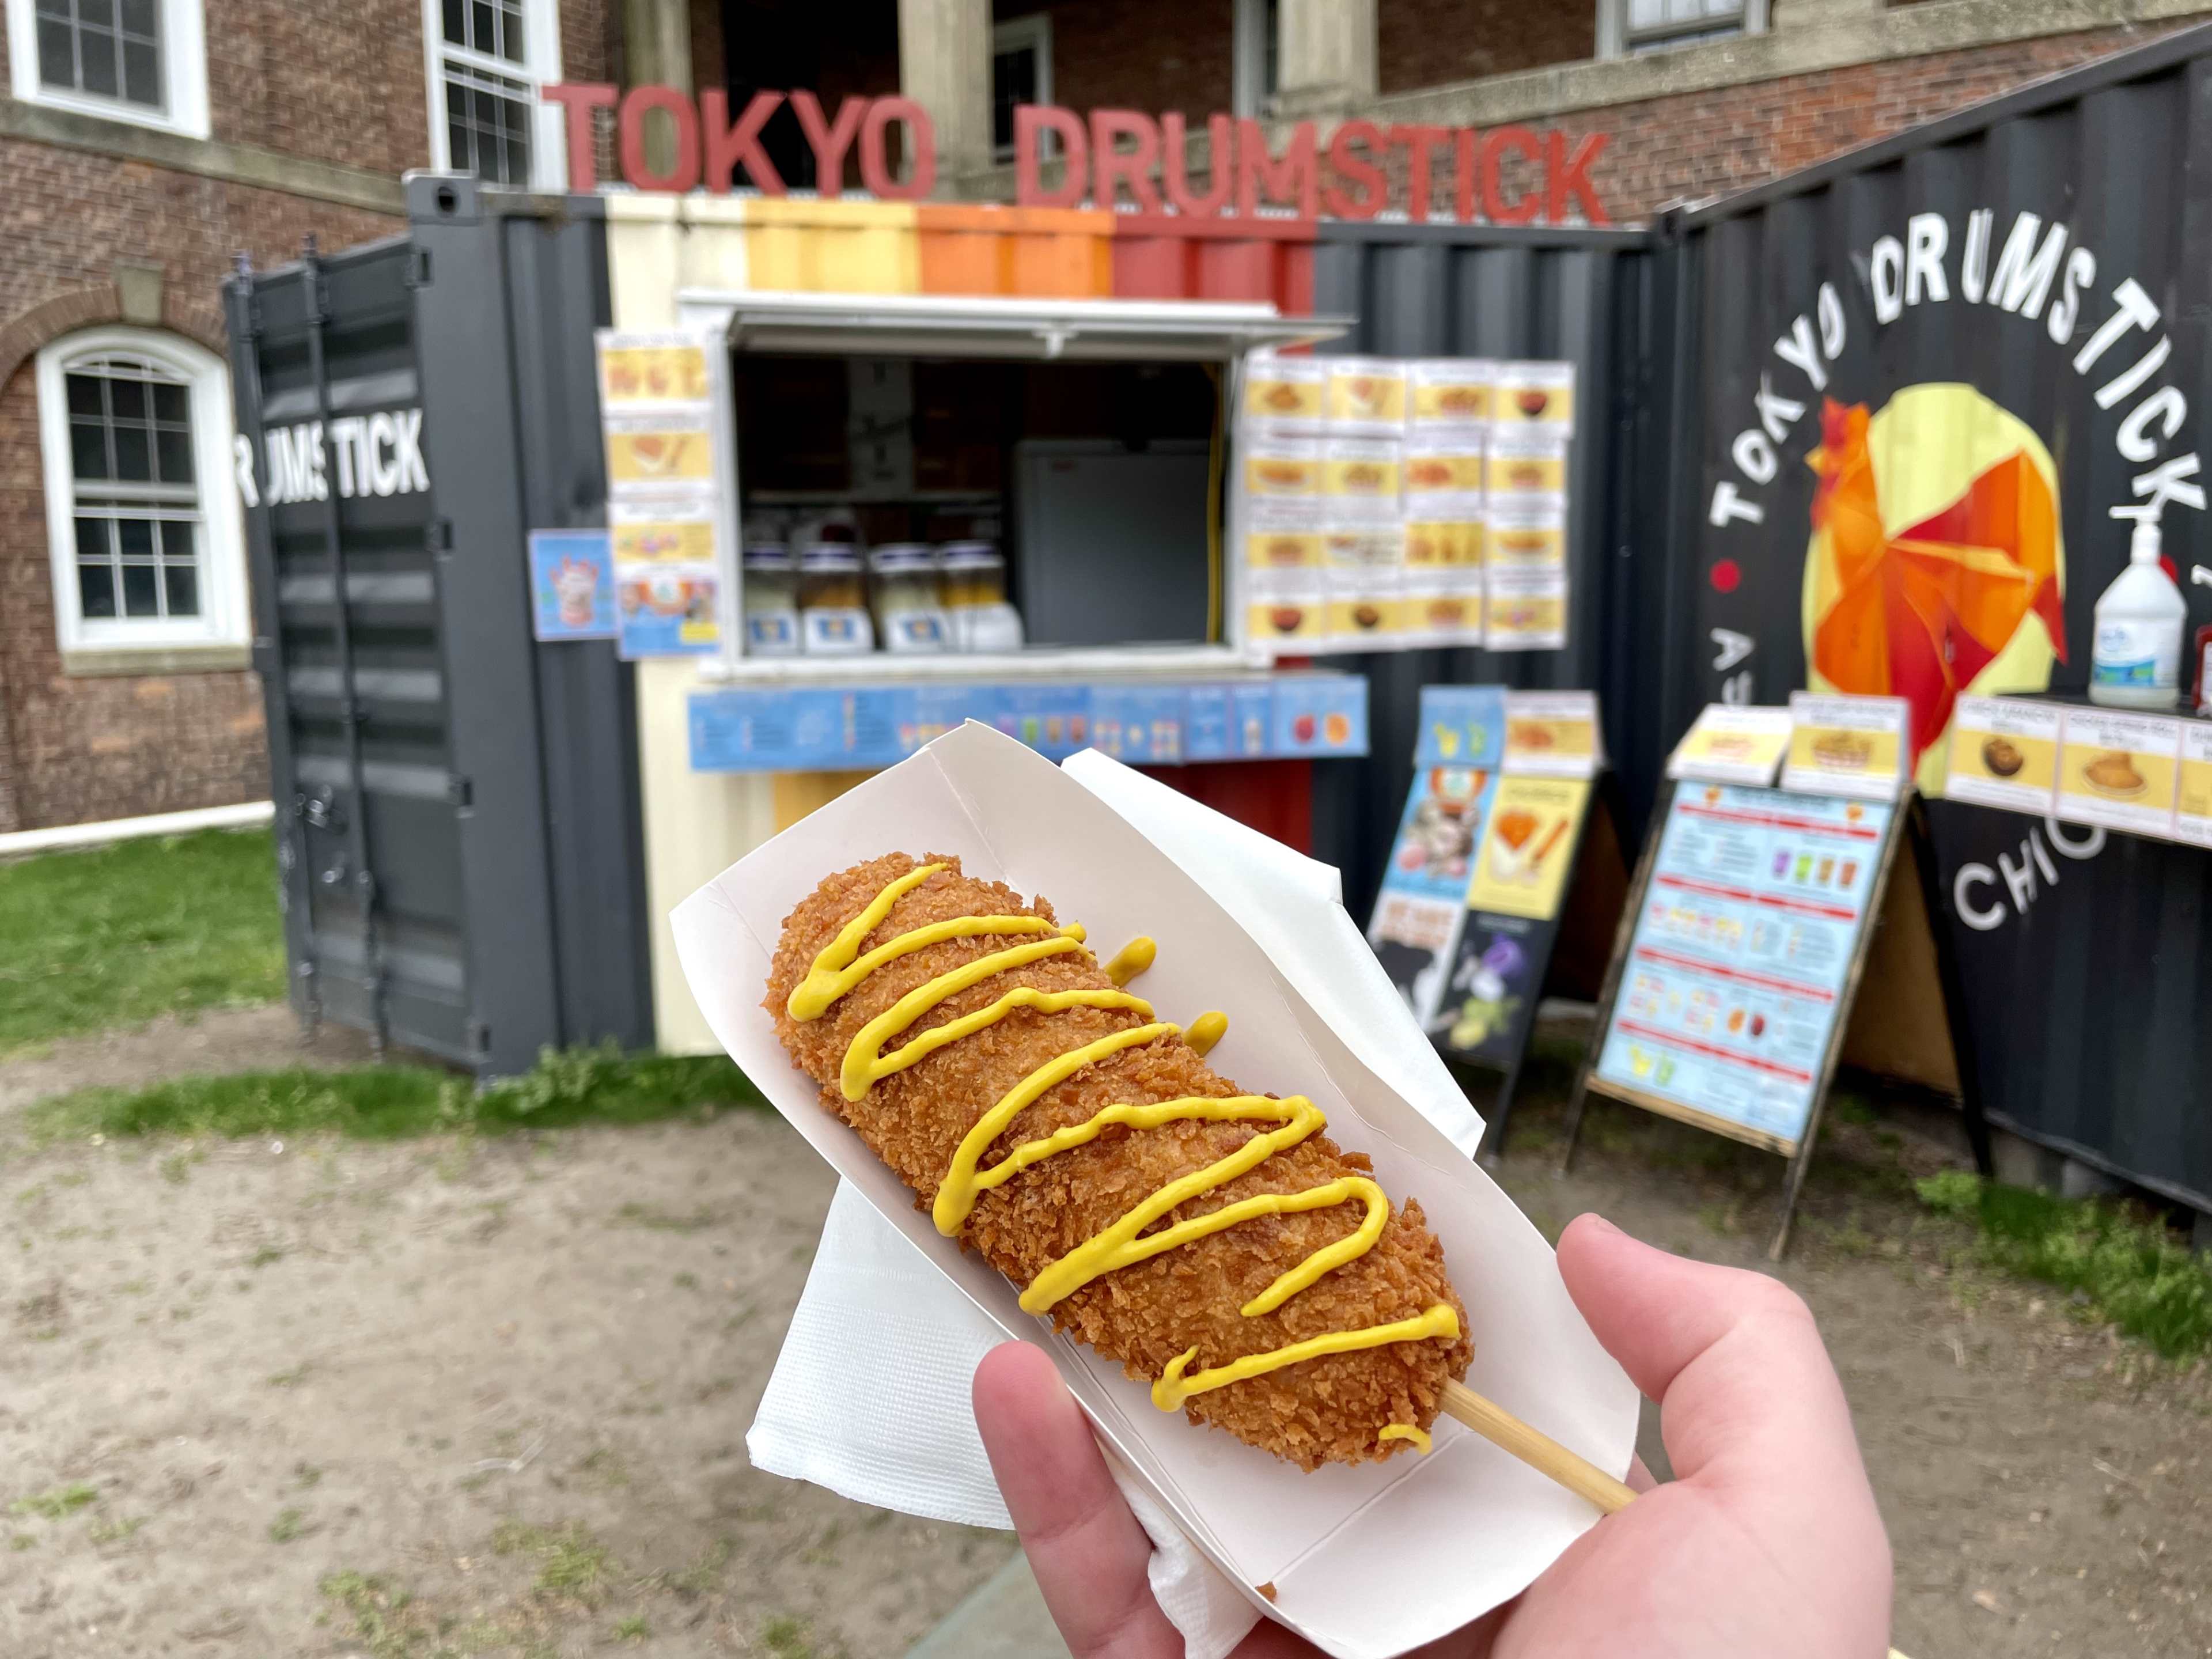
<point x="657" y="43"/>
<point x="657" y="53"/>
<point x="944" y="65"/>
<point x="1326" y="55"/>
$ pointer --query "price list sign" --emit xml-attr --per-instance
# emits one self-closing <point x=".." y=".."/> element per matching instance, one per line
<point x="1740" y="966"/>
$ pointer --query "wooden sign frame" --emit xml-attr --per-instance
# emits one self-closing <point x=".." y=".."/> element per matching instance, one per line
<point x="1908" y="835"/>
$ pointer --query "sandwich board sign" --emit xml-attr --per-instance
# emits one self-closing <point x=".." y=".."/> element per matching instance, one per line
<point x="1749" y="925"/>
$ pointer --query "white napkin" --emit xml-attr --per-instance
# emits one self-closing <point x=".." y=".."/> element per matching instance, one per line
<point x="870" y="1395"/>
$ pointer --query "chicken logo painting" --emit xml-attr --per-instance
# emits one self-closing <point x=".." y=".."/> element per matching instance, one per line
<point x="1936" y="567"/>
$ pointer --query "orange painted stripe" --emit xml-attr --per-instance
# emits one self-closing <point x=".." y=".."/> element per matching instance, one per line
<point x="1043" y="252"/>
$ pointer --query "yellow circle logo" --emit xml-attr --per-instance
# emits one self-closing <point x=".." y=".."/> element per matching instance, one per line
<point x="1936" y="567"/>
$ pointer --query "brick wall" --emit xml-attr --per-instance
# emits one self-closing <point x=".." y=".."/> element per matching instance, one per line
<point x="1427" y="43"/>
<point x="346" y="84"/>
<point x="1138" y="54"/>
<point x="76" y="749"/>
<point x="1710" y="143"/>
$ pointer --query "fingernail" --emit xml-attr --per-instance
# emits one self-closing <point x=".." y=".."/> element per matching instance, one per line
<point x="1594" y="1219"/>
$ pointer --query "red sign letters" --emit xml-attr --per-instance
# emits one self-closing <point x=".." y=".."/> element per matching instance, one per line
<point x="1510" y="175"/>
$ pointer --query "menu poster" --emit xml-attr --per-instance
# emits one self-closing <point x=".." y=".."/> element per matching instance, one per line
<point x="1527" y="853"/>
<point x="1524" y="609"/>
<point x="1529" y="846"/>
<point x="667" y="578"/>
<point x="638" y="368"/>
<point x="1846" y="746"/>
<point x="1284" y="393"/>
<point x="2119" y="770"/>
<point x="1729" y="743"/>
<point x="1552" y="733"/>
<point x="1496" y="979"/>
<point x="1740" y="962"/>
<point x="2004" y="752"/>
<point x="1366" y="395"/>
<point x="1539" y="397"/>
<point x="1447" y="393"/>
<point x="2192" y="811"/>
<point x="1423" y="902"/>
<point x="571" y="585"/>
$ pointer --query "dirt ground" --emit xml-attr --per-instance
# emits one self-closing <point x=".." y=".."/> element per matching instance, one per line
<point x="490" y="1398"/>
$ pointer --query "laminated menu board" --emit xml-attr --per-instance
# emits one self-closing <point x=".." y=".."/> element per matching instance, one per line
<point x="1749" y="923"/>
<point x="1846" y="746"/>
<point x="2192" y="809"/>
<point x="1529" y="850"/>
<point x="2004" y="752"/>
<point x="2119" y="770"/>
<point x="1422" y="906"/>
<point x="1389" y="504"/>
<point x="657" y="420"/>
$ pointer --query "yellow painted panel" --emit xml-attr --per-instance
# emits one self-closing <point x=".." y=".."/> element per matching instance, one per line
<point x="798" y="793"/>
<point x="832" y="248"/>
<point x="696" y="824"/>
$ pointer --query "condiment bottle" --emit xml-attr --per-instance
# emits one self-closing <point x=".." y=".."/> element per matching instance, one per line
<point x="2136" y="659"/>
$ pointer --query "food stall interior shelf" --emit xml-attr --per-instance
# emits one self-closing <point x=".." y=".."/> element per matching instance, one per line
<point x="1108" y="387"/>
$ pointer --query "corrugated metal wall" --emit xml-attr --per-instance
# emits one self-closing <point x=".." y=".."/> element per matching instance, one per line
<point x="457" y="806"/>
<point x="1452" y="290"/>
<point x="1987" y="386"/>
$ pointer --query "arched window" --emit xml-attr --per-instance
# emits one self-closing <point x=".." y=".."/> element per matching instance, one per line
<point x="142" y="512"/>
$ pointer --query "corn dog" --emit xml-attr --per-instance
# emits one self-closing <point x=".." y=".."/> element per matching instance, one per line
<point x="1217" y="1244"/>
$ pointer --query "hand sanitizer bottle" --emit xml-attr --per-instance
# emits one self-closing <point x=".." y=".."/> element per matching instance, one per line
<point x="2136" y="659"/>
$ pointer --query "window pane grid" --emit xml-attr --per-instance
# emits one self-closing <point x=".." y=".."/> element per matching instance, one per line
<point x="137" y="501"/>
<point x="107" y="49"/>
<point x="489" y="28"/>
<point x="486" y="122"/>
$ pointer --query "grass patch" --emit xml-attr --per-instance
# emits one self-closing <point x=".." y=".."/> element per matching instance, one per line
<point x="389" y="1103"/>
<point x="286" y="1527"/>
<point x="572" y="1565"/>
<point x="2134" y="1273"/>
<point x="118" y="935"/>
<point x="54" y="1506"/>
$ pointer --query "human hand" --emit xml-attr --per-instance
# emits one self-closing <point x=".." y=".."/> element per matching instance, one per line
<point x="1767" y="1541"/>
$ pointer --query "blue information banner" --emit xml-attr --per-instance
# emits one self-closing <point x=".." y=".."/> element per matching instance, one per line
<point x="1148" y="723"/>
<point x="1735" y="976"/>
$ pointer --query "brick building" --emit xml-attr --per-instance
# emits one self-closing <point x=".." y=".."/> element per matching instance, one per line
<point x="144" y="145"/>
<point x="146" y="141"/>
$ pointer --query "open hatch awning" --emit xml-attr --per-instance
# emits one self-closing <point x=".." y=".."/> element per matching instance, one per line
<point x="992" y="326"/>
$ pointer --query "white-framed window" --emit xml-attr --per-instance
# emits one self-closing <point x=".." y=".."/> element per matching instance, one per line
<point x="1630" y="28"/>
<point x="487" y="59"/>
<point x="1021" y="73"/>
<point x="1255" y="43"/>
<point x="143" y="523"/>
<point x="141" y="61"/>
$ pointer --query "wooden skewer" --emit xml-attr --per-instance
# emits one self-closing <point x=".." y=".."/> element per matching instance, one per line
<point x="1541" y="1453"/>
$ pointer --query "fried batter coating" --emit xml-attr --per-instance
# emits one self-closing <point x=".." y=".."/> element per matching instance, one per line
<point x="1318" y="1411"/>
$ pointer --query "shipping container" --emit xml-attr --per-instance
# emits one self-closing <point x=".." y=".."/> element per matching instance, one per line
<point x="1909" y="390"/>
<point x="1579" y="296"/>
<point x="457" y="805"/>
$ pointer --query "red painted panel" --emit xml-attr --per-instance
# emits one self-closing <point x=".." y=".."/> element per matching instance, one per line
<point x="1159" y="256"/>
<point x="1275" y="797"/>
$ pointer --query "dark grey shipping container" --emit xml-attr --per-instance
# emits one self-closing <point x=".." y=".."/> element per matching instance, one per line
<point x="2033" y="273"/>
<point x="458" y="822"/>
<point x="1582" y="296"/>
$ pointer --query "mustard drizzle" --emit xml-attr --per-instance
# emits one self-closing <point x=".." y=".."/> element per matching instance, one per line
<point x="1407" y="1431"/>
<point x="840" y="967"/>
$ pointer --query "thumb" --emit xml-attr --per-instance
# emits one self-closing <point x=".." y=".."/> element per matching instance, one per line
<point x="1743" y="1380"/>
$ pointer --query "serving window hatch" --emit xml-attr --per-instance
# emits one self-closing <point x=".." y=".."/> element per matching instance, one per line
<point x="930" y="486"/>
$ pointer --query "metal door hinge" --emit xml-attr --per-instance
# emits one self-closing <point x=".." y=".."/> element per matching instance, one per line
<point x="417" y="274"/>
<point x="438" y="537"/>
<point x="479" y="1038"/>
<point x="460" y="792"/>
